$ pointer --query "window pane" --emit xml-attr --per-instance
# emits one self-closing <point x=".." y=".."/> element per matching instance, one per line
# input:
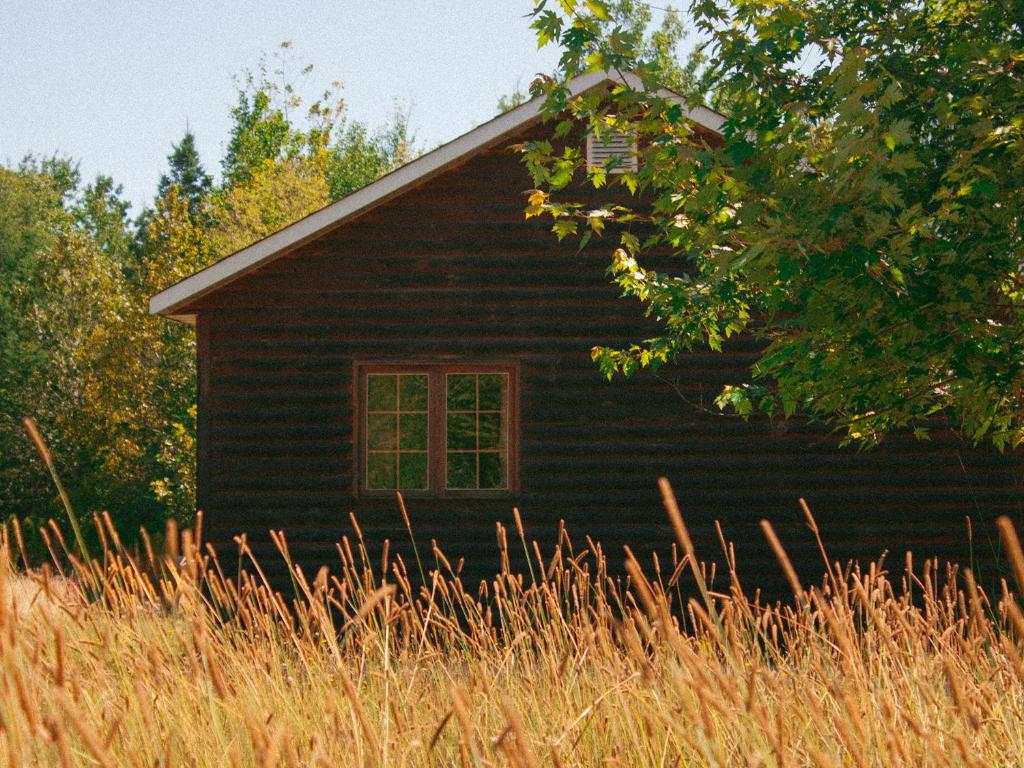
<point x="462" y="470"/>
<point x="412" y="435"/>
<point x="413" y="392"/>
<point x="462" y="392"/>
<point x="412" y="470"/>
<point x="397" y="441"/>
<point x="490" y="431"/>
<point x="461" y="431"/>
<point x="492" y="387"/>
<point x="380" y="471"/>
<point x="492" y="470"/>
<point x="381" y="431"/>
<point x="381" y="392"/>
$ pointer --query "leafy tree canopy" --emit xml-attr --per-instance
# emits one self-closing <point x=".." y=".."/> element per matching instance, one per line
<point x="862" y="216"/>
<point x="61" y="299"/>
<point x="272" y="122"/>
<point x="659" y="47"/>
<point x="113" y="388"/>
<point x="274" y="195"/>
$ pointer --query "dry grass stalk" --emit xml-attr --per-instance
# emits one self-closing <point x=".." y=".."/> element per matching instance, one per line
<point x="145" y="663"/>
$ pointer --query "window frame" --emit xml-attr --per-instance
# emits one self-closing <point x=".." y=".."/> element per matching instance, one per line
<point x="437" y="418"/>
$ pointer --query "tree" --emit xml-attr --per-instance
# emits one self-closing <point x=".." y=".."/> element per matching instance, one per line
<point x="273" y="196"/>
<point x="32" y="218"/>
<point x="260" y="133"/>
<point x="660" y="48"/>
<point x="110" y="386"/>
<point x="509" y="101"/>
<point x="272" y="125"/>
<point x="160" y="394"/>
<point x="113" y="388"/>
<point x="186" y="172"/>
<point x="264" y="127"/>
<point x="862" y="216"/>
<point x="103" y="213"/>
<point x="64" y="299"/>
<point x="360" y="156"/>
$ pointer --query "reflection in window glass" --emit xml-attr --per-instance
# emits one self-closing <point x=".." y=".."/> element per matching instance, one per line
<point x="477" y="431"/>
<point x="396" y="431"/>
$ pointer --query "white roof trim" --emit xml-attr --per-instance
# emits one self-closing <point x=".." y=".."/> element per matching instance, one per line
<point x="422" y="168"/>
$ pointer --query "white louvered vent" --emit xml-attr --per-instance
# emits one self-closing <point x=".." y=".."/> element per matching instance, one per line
<point x="612" y="145"/>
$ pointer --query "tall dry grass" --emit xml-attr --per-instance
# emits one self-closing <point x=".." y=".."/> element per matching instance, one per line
<point x="165" y="660"/>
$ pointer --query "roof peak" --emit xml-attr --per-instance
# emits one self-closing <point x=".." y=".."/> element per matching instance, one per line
<point x="169" y="301"/>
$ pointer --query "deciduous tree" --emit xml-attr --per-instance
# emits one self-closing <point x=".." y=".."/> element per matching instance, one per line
<point x="113" y="388"/>
<point x="863" y="215"/>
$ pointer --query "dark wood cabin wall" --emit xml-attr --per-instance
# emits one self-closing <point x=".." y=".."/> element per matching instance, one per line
<point x="451" y="271"/>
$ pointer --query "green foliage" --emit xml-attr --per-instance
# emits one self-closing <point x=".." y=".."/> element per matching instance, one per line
<point x="262" y="125"/>
<point x="177" y="488"/>
<point x="274" y="195"/>
<point x="631" y="22"/>
<point x="103" y="214"/>
<point x="113" y="388"/>
<point x="265" y="130"/>
<point x="260" y="134"/>
<point x="64" y="297"/>
<point x="32" y="221"/>
<point x="660" y="47"/>
<point x="510" y="101"/>
<point x="623" y="29"/>
<point x="360" y="156"/>
<point x="862" y="216"/>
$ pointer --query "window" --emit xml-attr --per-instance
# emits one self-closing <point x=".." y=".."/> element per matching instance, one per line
<point x="612" y="146"/>
<point x="437" y="430"/>
<point x="396" y="431"/>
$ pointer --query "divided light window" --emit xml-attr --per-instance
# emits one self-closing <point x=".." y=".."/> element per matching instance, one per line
<point x="396" y="431"/>
<point x="438" y="430"/>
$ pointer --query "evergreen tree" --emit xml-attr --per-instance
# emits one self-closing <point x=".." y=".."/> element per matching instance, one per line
<point x="187" y="173"/>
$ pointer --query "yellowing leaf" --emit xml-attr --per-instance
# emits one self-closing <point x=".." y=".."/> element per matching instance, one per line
<point x="599" y="9"/>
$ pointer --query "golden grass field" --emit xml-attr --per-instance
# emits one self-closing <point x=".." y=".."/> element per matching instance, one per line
<point x="142" y="662"/>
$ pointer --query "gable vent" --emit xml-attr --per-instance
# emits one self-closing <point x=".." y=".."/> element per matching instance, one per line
<point x="612" y="145"/>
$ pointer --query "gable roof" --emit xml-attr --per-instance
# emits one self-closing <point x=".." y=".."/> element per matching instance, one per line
<point x="169" y="301"/>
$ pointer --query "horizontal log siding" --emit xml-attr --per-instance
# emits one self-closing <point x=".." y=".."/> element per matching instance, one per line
<point x="451" y="272"/>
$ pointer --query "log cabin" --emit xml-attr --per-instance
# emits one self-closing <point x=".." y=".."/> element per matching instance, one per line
<point x="421" y="335"/>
